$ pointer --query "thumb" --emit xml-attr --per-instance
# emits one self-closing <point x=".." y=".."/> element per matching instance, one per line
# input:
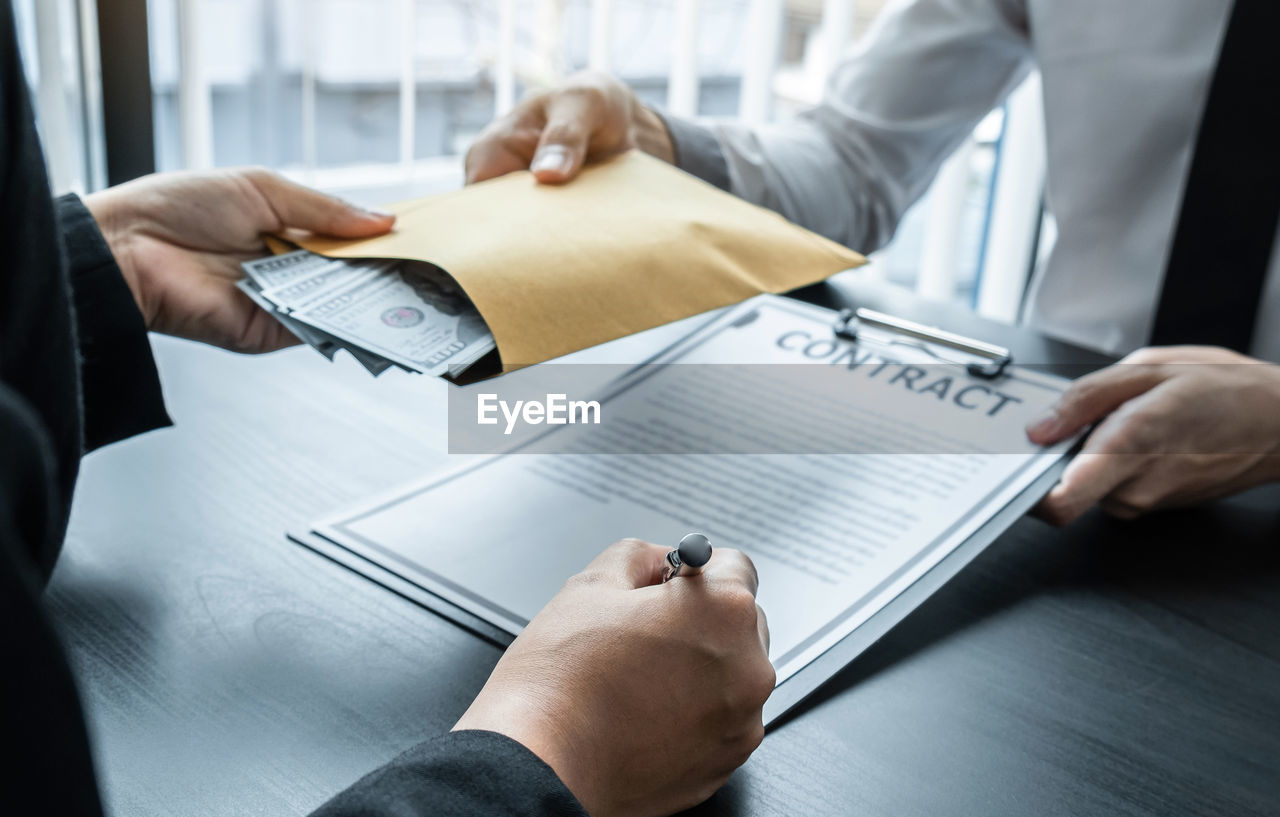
<point x="628" y="564"/>
<point x="298" y="207"/>
<point x="562" y="149"/>
<point x="1093" y="397"/>
<point x="1094" y="473"/>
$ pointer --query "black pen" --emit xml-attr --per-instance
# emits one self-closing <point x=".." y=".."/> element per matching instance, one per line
<point x="688" y="557"/>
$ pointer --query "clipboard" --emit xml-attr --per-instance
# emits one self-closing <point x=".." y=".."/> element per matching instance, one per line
<point x="990" y="361"/>
<point x="983" y="361"/>
<point x="787" y="695"/>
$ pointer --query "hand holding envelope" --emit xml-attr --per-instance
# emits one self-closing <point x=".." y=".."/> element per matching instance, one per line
<point x="633" y="243"/>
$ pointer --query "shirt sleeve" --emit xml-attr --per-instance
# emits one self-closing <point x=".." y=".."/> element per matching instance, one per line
<point x="696" y="149"/>
<point x="119" y="383"/>
<point x="893" y="110"/>
<point x="459" y="775"/>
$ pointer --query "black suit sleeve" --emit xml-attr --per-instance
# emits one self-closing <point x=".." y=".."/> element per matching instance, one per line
<point x="47" y="767"/>
<point x="459" y="775"/>
<point x="76" y="373"/>
<point x="118" y="380"/>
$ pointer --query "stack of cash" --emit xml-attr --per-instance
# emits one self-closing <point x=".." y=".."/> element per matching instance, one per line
<point x="384" y="313"/>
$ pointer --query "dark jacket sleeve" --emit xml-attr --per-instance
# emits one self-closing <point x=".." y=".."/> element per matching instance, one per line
<point x="76" y="373"/>
<point x="119" y="384"/>
<point x="73" y="347"/>
<point x="47" y="766"/>
<point x="459" y="775"/>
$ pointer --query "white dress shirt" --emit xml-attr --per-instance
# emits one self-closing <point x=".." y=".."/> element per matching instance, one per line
<point x="1125" y="83"/>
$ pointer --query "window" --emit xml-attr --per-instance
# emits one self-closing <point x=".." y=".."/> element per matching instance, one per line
<point x="54" y="36"/>
<point x="361" y="93"/>
<point x="377" y="100"/>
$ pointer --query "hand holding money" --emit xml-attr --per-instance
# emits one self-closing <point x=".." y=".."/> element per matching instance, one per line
<point x="384" y="313"/>
<point x="179" y="239"/>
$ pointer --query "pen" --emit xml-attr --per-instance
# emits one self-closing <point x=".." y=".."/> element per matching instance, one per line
<point x="688" y="557"/>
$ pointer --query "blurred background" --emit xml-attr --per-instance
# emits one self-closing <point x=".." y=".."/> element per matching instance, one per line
<point x="377" y="100"/>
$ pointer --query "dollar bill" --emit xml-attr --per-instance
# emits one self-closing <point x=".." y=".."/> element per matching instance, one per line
<point x="301" y="291"/>
<point x="278" y="270"/>
<point x="314" y="338"/>
<point x="383" y="313"/>
<point x="405" y="318"/>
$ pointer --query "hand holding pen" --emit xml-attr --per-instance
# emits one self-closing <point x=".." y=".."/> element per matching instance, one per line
<point x="642" y="696"/>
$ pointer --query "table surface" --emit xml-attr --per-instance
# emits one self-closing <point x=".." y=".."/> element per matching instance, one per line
<point x="1109" y="668"/>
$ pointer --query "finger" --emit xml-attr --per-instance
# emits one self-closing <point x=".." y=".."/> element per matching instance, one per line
<point x="1096" y="472"/>
<point x="262" y="332"/>
<point x="490" y="160"/>
<point x="1046" y="512"/>
<point x="629" y="563"/>
<point x="506" y="145"/>
<point x="1115" y="506"/>
<point x="216" y="312"/>
<point x="573" y="114"/>
<point x="732" y="566"/>
<point x="1160" y="488"/>
<point x="301" y="207"/>
<point x="1088" y="479"/>
<point x="1091" y="398"/>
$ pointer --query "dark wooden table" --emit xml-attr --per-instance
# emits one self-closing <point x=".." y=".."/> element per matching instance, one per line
<point x="1111" y="668"/>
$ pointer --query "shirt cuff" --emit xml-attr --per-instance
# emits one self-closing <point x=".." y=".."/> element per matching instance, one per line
<point x="697" y="150"/>
<point x="119" y="384"/>
<point x="459" y="775"/>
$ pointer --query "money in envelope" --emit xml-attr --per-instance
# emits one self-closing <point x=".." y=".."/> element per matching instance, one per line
<point x="384" y="313"/>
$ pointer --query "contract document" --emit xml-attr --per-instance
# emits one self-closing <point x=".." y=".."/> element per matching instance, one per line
<point x="858" y="476"/>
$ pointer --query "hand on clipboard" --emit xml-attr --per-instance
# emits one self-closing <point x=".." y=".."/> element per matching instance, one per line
<point x="1176" y="426"/>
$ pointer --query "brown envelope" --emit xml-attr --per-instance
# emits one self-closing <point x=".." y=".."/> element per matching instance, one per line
<point x="633" y="243"/>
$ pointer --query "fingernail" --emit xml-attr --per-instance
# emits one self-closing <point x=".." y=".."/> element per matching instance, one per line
<point x="553" y="158"/>
<point x="378" y="212"/>
<point x="1048" y="424"/>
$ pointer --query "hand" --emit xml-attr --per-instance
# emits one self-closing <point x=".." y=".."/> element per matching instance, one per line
<point x="643" y="697"/>
<point x="179" y="239"/>
<point x="1183" y="424"/>
<point x="553" y="133"/>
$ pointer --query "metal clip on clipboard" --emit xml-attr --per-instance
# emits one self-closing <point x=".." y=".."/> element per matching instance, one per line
<point x="994" y="359"/>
